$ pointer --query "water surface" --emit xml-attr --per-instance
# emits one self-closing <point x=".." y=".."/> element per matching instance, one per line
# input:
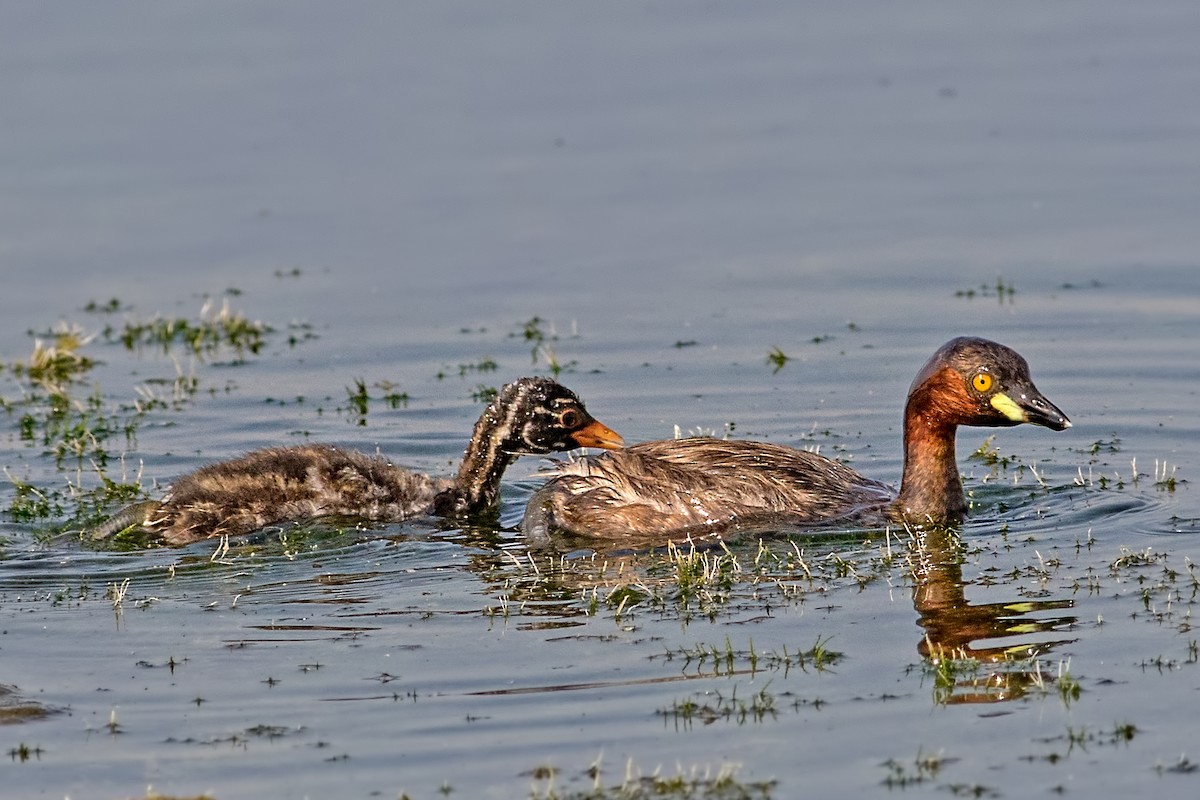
<point x="661" y="196"/>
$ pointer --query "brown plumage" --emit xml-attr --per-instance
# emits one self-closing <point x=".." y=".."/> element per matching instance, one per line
<point x="674" y="488"/>
<point x="278" y="484"/>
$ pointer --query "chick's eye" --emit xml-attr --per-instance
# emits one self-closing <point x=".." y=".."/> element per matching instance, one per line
<point x="982" y="382"/>
<point x="569" y="418"/>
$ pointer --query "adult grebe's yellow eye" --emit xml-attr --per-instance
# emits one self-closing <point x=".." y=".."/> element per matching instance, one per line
<point x="982" y="382"/>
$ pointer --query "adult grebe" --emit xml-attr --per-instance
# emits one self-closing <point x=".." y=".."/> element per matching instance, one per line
<point x="672" y="488"/>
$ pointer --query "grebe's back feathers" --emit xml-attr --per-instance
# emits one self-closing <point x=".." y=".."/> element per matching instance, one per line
<point x="281" y="483"/>
<point x="699" y="483"/>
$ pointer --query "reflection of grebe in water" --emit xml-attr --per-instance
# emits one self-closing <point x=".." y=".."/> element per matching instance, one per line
<point x="955" y="630"/>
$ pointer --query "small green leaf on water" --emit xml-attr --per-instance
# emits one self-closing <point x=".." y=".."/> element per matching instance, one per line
<point x="777" y="358"/>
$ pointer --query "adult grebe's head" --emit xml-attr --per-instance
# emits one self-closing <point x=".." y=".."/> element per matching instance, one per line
<point x="972" y="381"/>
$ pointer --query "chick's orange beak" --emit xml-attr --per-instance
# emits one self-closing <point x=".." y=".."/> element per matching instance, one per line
<point x="597" y="434"/>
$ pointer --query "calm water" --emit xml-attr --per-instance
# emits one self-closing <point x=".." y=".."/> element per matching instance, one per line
<point x="672" y="192"/>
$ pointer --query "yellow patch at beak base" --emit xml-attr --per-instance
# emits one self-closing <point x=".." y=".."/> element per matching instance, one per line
<point x="1005" y="405"/>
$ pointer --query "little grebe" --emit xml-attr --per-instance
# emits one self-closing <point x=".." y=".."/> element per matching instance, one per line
<point x="277" y="484"/>
<point x="704" y="485"/>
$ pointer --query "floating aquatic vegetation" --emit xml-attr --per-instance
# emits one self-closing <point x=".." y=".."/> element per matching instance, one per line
<point x="777" y="358"/>
<point x="700" y="783"/>
<point x="1003" y="291"/>
<point x="59" y="405"/>
<point x="217" y="330"/>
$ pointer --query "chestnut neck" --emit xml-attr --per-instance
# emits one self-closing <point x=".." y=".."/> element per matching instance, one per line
<point x="930" y="489"/>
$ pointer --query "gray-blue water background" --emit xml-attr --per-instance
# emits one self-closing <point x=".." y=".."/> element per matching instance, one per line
<point x="672" y="191"/>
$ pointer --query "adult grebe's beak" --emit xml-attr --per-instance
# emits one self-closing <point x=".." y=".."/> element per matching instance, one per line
<point x="1027" y="404"/>
<point x="597" y="434"/>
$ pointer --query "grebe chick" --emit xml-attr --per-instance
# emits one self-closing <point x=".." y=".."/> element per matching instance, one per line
<point x="672" y="488"/>
<point x="278" y="484"/>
